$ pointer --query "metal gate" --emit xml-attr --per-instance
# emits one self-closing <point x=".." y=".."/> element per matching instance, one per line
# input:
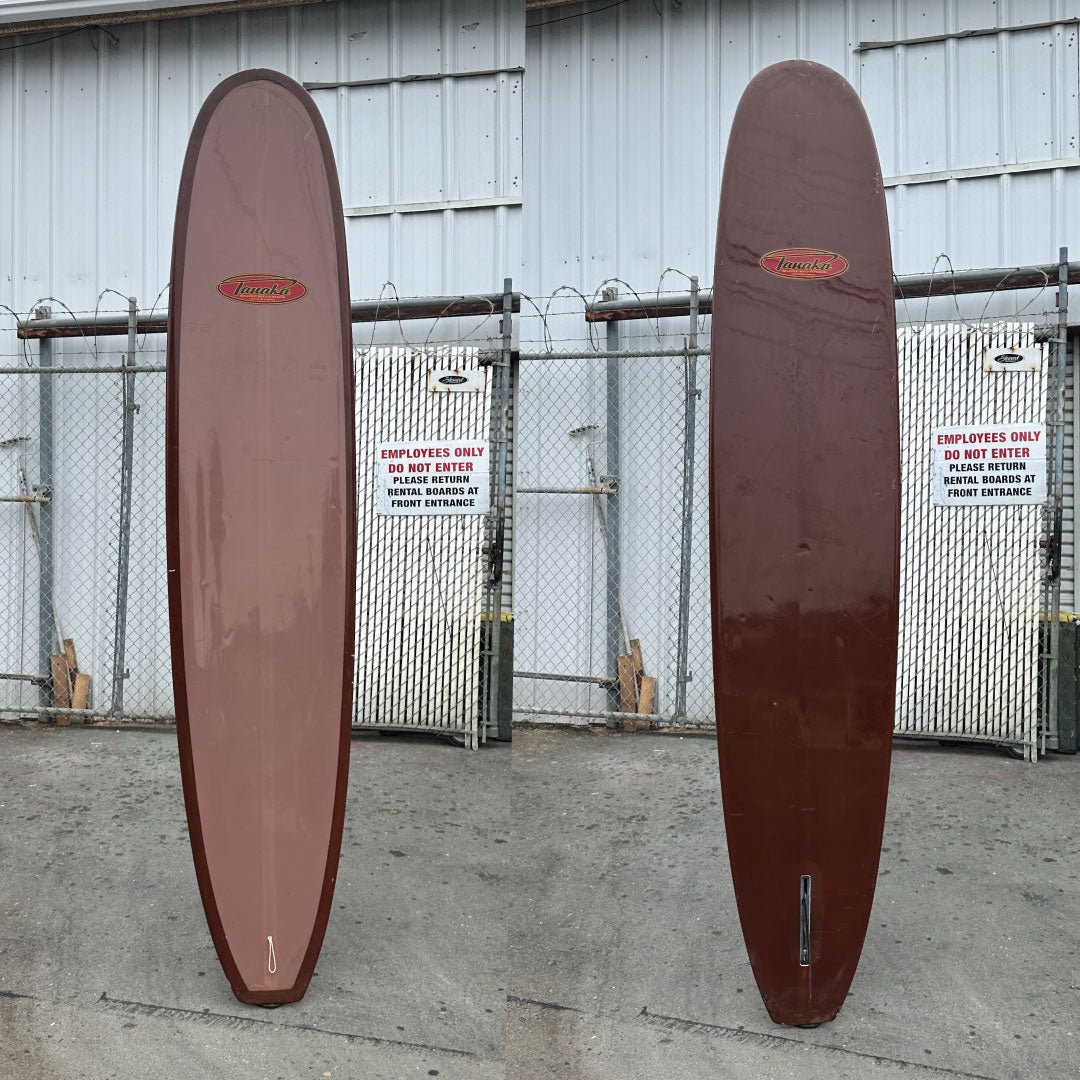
<point x="971" y="576"/>
<point x="421" y="586"/>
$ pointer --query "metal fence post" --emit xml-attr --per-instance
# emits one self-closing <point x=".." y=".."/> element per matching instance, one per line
<point x="47" y="630"/>
<point x="682" y="674"/>
<point x="127" y="454"/>
<point x="501" y="392"/>
<point x="1057" y="496"/>
<point x="613" y="554"/>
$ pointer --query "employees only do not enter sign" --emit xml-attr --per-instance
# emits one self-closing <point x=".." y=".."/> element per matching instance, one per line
<point x="426" y="478"/>
<point x="1001" y="464"/>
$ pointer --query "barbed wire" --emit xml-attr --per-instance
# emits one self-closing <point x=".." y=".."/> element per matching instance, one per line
<point x="539" y="323"/>
<point x="979" y="327"/>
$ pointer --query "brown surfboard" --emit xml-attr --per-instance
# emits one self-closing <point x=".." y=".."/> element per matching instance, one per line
<point x="261" y="525"/>
<point x="804" y="513"/>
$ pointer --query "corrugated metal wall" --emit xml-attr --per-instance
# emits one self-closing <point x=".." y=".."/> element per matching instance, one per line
<point x="629" y="109"/>
<point x="96" y="130"/>
<point x="95" y="125"/>
<point x="627" y="115"/>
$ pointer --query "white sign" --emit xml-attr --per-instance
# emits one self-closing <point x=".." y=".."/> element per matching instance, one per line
<point x="456" y="381"/>
<point x="1002" y="465"/>
<point x="1029" y="358"/>
<point x="426" y="478"/>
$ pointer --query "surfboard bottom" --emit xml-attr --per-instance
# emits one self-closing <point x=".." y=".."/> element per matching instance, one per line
<point x="269" y="999"/>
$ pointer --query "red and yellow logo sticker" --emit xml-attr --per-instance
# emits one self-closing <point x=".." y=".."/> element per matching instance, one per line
<point x="804" y="264"/>
<point x="262" y="288"/>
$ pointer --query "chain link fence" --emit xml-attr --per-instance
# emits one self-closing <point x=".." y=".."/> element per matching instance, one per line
<point x="611" y="542"/>
<point x="84" y="629"/>
<point x="83" y="623"/>
<point x="612" y="571"/>
<point x="598" y="454"/>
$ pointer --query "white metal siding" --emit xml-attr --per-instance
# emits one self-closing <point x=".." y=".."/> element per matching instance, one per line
<point x="628" y="113"/>
<point x="97" y="133"/>
<point x="12" y="12"/>
<point x="94" y="135"/>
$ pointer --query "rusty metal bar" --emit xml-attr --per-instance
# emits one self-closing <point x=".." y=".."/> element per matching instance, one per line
<point x="604" y="489"/>
<point x="906" y="287"/>
<point x="361" y="311"/>
<point x="597" y="680"/>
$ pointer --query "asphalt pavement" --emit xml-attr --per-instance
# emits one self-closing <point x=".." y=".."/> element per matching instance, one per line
<point x="561" y="911"/>
<point x="107" y="971"/>
<point x="627" y="962"/>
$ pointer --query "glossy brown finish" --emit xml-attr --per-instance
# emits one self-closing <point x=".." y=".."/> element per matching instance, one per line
<point x="804" y="530"/>
<point x="261" y="528"/>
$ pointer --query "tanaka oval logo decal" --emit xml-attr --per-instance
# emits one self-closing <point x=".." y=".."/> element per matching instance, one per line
<point x="807" y="264"/>
<point x="262" y="288"/>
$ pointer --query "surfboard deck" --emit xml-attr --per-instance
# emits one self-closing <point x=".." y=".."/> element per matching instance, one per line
<point x="261" y="525"/>
<point x="804" y="527"/>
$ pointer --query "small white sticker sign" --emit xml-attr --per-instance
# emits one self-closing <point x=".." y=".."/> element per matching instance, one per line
<point x="1002" y="465"/>
<point x="422" y="479"/>
<point x="456" y="381"/>
<point x="1028" y="358"/>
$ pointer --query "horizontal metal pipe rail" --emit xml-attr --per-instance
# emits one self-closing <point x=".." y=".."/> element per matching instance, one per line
<point x="598" y="680"/>
<point x="96" y="714"/>
<point x="603" y="490"/>
<point x="905" y="287"/>
<point x="361" y="311"/>
<point x="526" y="712"/>
<point x="614" y="354"/>
<point x="158" y="369"/>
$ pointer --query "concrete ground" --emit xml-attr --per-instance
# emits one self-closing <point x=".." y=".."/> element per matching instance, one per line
<point x="107" y="971"/>
<point x="627" y="961"/>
